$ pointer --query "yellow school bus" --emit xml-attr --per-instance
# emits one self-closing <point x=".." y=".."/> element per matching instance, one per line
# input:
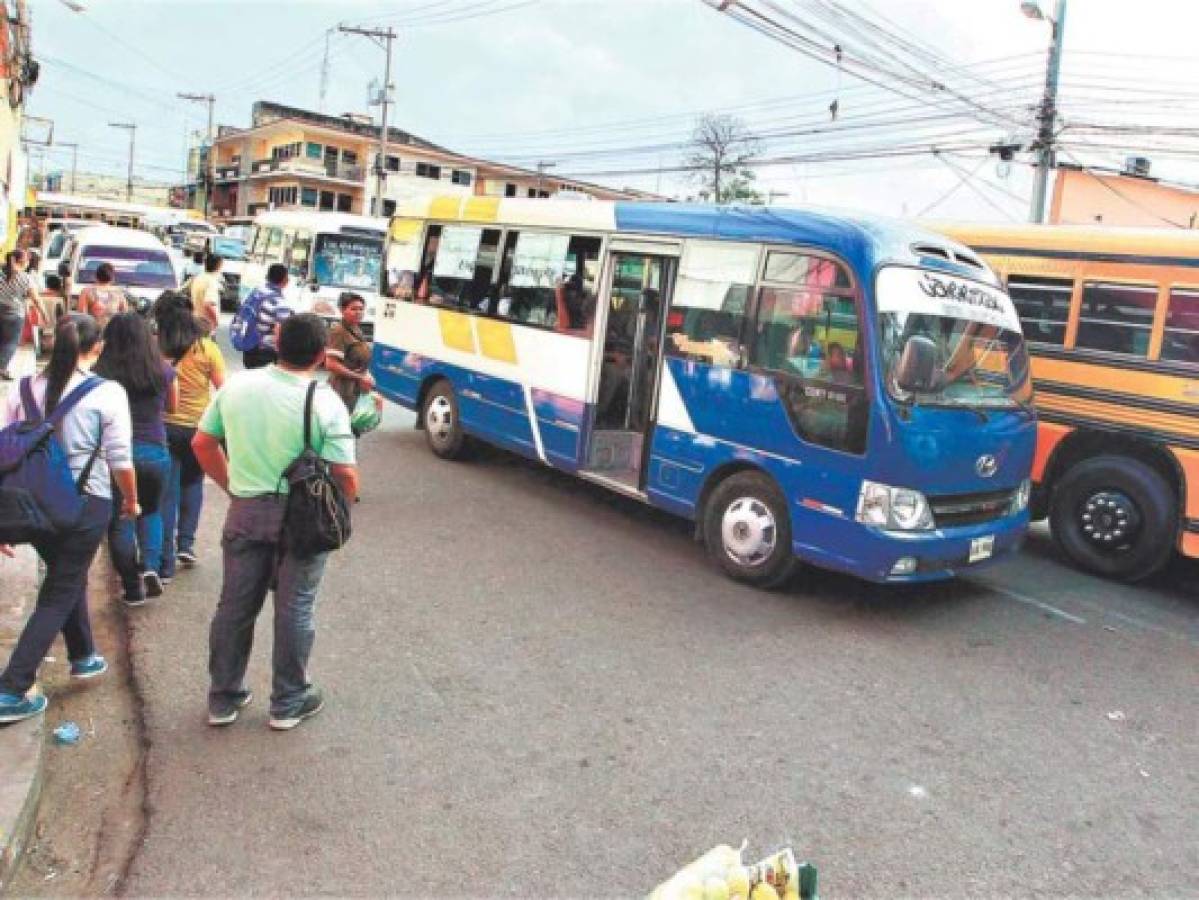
<point x="1111" y="317"/>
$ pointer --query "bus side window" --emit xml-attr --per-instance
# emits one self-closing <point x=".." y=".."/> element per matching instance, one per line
<point x="1043" y="305"/>
<point x="1117" y="318"/>
<point x="274" y="246"/>
<point x="808" y="340"/>
<point x="297" y="260"/>
<point x="548" y="279"/>
<point x="1180" y="342"/>
<point x="711" y="294"/>
<point x="459" y="265"/>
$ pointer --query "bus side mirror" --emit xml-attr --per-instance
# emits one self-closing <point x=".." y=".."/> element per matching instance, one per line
<point x="917" y="366"/>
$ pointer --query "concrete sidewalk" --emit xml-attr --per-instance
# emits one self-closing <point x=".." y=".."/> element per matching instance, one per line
<point x="22" y="744"/>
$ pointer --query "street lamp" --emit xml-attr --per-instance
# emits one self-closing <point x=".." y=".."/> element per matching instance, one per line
<point x="1032" y="9"/>
<point x="132" y="129"/>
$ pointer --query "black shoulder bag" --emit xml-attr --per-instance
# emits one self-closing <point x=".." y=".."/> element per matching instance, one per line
<point x="317" y="516"/>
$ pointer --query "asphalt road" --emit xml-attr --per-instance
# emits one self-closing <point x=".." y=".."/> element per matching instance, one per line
<point x="537" y="688"/>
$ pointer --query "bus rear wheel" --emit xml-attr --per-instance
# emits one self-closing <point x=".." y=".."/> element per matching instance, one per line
<point x="1114" y="516"/>
<point x="443" y="426"/>
<point x="747" y="530"/>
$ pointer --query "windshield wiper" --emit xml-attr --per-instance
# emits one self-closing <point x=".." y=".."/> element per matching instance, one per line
<point x="949" y="404"/>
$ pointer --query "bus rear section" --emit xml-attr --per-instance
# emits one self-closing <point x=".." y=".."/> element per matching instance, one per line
<point x="803" y="387"/>
<point x="1111" y="316"/>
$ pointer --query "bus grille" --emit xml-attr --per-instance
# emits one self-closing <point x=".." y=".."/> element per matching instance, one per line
<point x="970" y="509"/>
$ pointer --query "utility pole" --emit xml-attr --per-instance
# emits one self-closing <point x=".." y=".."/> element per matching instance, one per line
<point x="74" y="148"/>
<point x="132" y="129"/>
<point x="384" y="39"/>
<point x="206" y="160"/>
<point x="541" y="169"/>
<point x="325" y="72"/>
<point x="1047" y="114"/>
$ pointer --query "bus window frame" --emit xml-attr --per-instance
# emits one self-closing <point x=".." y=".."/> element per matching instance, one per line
<point x="505" y="230"/>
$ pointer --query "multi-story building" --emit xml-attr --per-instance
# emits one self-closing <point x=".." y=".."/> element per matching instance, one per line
<point x="292" y="158"/>
<point x="18" y="72"/>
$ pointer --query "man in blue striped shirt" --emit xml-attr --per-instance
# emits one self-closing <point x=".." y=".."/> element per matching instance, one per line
<point x="273" y="308"/>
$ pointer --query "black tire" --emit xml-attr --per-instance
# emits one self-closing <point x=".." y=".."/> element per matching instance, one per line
<point x="756" y="547"/>
<point x="442" y="425"/>
<point x="1114" y="516"/>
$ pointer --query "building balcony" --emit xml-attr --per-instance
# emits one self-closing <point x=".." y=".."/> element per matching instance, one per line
<point x="309" y="168"/>
<point x="227" y="173"/>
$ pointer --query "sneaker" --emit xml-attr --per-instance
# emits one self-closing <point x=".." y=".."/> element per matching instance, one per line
<point x="228" y="715"/>
<point x="5" y="376"/>
<point x="166" y="579"/>
<point x="152" y="582"/>
<point x="14" y="708"/>
<point x="188" y="558"/>
<point x="92" y="667"/>
<point x="312" y="704"/>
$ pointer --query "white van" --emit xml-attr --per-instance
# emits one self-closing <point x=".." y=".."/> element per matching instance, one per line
<point x="326" y="254"/>
<point x="58" y="235"/>
<point x="142" y="265"/>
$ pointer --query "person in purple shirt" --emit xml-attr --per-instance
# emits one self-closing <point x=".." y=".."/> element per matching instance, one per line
<point x="131" y="358"/>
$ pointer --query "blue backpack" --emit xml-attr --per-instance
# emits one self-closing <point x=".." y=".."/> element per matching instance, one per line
<point x="243" y="330"/>
<point x="39" y="496"/>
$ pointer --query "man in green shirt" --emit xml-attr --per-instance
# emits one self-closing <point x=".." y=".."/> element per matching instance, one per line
<point x="259" y="416"/>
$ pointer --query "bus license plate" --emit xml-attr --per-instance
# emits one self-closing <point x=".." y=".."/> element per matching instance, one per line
<point x="982" y="547"/>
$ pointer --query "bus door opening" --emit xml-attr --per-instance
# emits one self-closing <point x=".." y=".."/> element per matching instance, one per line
<point x="629" y="370"/>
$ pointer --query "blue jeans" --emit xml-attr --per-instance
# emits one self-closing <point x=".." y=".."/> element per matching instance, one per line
<point x="184" y="498"/>
<point x="152" y="464"/>
<point x="10" y="338"/>
<point x="62" y="599"/>
<point x="254" y="565"/>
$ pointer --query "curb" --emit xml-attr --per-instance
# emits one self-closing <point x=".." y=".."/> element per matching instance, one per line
<point x="22" y="745"/>
<point x="27" y="761"/>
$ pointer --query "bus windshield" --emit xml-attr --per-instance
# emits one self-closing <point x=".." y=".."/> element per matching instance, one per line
<point x="229" y="248"/>
<point x="348" y="261"/>
<point x="980" y="357"/>
<point x="134" y="266"/>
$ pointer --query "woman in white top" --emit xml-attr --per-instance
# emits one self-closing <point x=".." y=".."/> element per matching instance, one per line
<point x="97" y="428"/>
<point x="16" y="292"/>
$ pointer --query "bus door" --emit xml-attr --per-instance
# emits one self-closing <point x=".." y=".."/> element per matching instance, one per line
<point x="638" y="294"/>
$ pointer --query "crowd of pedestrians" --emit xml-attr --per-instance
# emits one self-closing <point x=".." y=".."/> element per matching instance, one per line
<point x="143" y="411"/>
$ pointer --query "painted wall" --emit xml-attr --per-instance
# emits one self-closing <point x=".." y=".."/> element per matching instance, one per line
<point x="1087" y="198"/>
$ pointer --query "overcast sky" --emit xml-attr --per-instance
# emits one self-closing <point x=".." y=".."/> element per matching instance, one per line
<point x="613" y="86"/>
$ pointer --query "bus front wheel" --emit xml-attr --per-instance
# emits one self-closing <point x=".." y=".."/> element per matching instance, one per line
<point x="443" y="427"/>
<point x="1114" y="516"/>
<point x="747" y="530"/>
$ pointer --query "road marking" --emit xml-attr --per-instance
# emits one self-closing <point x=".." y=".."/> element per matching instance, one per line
<point x="1135" y="622"/>
<point x="1052" y="610"/>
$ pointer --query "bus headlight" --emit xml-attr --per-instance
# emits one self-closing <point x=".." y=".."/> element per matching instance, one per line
<point x="1020" y="498"/>
<point x="893" y="508"/>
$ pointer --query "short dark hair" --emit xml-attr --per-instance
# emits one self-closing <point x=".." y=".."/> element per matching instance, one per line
<point x="212" y="262"/>
<point x="276" y="273"/>
<point x="105" y="273"/>
<point x="348" y="297"/>
<point x="302" y="338"/>
<point x="198" y="256"/>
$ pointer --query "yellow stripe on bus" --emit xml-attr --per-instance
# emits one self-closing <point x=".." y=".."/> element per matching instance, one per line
<point x="1100" y="412"/>
<point x="495" y="340"/>
<point x="1156" y="385"/>
<point x="456" y="332"/>
<point x="481" y="209"/>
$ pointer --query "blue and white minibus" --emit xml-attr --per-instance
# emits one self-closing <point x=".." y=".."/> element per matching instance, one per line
<point x="844" y="391"/>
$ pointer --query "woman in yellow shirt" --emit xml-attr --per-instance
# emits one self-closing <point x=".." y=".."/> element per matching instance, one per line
<point x="199" y="367"/>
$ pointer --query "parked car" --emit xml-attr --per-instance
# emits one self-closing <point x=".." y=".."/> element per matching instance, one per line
<point x="143" y="266"/>
<point x="58" y="235"/>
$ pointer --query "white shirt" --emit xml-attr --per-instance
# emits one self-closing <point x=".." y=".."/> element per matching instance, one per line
<point x="99" y="419"/>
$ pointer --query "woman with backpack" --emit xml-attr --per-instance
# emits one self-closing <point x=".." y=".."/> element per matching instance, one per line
<point x="130" y="358"/>
<point x="199" y="367"/>
<point x="96" y="436"/>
